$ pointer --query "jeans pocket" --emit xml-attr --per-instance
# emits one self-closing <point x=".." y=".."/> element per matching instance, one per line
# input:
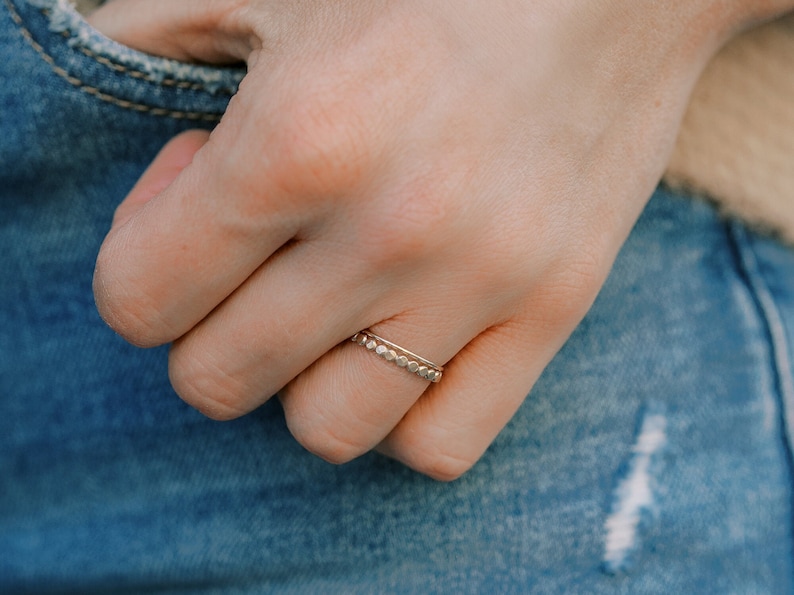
<point x="107" y="71"/>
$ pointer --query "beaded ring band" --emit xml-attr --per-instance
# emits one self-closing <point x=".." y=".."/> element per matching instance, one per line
<point x="399" y="356"/>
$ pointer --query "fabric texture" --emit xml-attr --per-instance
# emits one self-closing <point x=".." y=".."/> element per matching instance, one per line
<point x="653" y="456"/>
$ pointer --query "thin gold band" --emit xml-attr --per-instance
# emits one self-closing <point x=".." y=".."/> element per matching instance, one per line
<point x="399" y="356"/>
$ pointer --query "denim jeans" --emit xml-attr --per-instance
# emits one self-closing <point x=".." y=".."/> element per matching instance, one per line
<point x="653" y="456"/>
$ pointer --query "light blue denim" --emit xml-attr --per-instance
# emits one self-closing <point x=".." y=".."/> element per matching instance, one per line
<point x="653" y="456"/>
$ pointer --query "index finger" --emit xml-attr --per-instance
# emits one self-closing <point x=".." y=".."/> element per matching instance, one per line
<point x="164" y="267"/>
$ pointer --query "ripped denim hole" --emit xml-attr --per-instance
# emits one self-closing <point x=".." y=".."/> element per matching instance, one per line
<point x="634" y="503"/>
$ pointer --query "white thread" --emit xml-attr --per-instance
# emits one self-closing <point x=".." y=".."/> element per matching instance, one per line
<point x="634" y="494"/>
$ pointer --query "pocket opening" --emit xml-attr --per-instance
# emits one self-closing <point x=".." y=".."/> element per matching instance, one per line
<point x="81" y="37"/>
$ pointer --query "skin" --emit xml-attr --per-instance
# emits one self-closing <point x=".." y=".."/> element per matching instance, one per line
<point x="456" y="176"/>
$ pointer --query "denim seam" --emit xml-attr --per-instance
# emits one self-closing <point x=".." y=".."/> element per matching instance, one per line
<point x="136" y="73"/>
<point x="781" y="350"/>
<point x="93" y="91"/>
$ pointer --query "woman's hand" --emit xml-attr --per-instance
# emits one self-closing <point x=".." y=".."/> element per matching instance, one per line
<point x="456" y="176"/>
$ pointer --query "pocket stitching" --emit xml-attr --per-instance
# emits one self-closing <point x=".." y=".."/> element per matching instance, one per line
<point x="137" y="73"/>
<point x="97" y="93"/>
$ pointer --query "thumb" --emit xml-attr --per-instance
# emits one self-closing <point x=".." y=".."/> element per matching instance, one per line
<point x="183" y="30"/>
<point x="170" y="161"/>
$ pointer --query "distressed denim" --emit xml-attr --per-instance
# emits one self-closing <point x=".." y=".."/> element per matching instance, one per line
<point x="653" y="456"/>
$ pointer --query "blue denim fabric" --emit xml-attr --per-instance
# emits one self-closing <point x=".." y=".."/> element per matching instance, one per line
<point x="653" y="456"/>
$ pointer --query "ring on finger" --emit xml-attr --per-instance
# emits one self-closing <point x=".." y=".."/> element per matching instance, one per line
<point x="399" y="356"/>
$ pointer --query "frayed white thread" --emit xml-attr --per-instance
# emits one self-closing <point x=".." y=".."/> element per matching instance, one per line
<point x="634" y="495"/>
<point x="63" y="14"/>
<point x="63" y="17"/>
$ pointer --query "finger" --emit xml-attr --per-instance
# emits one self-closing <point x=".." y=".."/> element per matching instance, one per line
<point x="452" y="425"/>
<point x="182" y="30"/>
<point x="272" y="171"/>
<point x="309" y="297"/>
<point x="449" y="428"/>
<point x="172" y="159"/>
<point x="351" y="398"/>
<point x="173" y="261"/>
<point x="291" y="311"/>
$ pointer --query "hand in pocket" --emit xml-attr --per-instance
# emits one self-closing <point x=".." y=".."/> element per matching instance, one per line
<point x="456" y="177"/>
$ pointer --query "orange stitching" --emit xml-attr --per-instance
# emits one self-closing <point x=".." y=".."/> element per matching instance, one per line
<point x="126" y="70"/>
<point x="93" y="91"/>
<point x="138" y="74"/>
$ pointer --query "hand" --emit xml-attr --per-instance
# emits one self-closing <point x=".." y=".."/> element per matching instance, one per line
<point x="456" y="176"/>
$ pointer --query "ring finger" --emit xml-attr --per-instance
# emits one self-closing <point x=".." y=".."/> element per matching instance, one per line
<point x="350" y="399"/>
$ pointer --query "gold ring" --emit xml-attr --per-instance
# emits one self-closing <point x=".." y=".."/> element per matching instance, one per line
<point x="398" y="356"/>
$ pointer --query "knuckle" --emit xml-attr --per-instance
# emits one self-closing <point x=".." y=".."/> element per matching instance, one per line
<point x="434" y="453"/>
<point x="128" y="312"/>
<point x="204" y="385"/>
<point x="442" y="466"/>
<point x="320" y="146"/>
<point x="324" y="439"/>
<point x="408" y="228"/>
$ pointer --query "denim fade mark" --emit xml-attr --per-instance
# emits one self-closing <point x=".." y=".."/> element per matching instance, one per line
<point x="635" y="495"/>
